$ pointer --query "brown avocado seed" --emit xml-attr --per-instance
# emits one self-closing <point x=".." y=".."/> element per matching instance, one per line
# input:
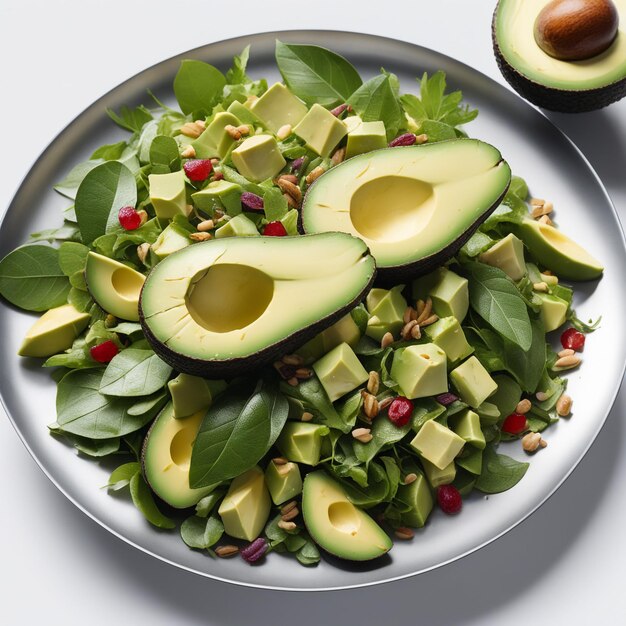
<point x="573" y="30"/>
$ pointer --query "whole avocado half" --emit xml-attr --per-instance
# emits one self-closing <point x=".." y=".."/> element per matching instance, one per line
<point x="563" y="91"/>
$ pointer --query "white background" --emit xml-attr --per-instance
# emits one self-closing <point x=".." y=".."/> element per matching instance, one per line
<point x="563" y="565"/>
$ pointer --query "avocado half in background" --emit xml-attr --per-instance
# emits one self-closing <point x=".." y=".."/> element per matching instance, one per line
<point x="570" y="29"/>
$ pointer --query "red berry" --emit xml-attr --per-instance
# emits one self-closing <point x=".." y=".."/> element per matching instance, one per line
<point x="104" y="351"/>
<point x="400" y="411"/>
<point x="449" y="499"/>
<point x="274" y="229"/>
<point x="129" y="218"/>
<point x="514" y="424"/>
<point x="572" y="339"/>
<point x="198" y="170"/>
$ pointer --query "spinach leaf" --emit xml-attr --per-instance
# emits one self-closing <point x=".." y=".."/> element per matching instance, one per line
<point x="315" y="74"/>
<point x="518" y="187"/>
<point x="103" y="192"/>
<point x="72" y="257"/>
<point x="110" y="152"/>
<point x="201" y="532"/>
<point x="121" y="476"/>
<point x="437" y="131"/>
<point x="131" y="119"/>
<point x="164" y="155"/>
<point x="308" y="554"/>
<point x="67" y="232"/>
<point x="375" y="100"/>
<point x="208" y="503"/>
<point x="274" y="205"/>
<point x="384" y="434"/>
<point x="144" y="501"/>
<point x="197" y="87"/>
<point x="494" y="297"/>
<point x="95" y="448"/>
<point x="315" y="400"/>
<point x="237" y="432"/>
<point x="83" y="410"/>
<point x="134" y="372"/>
<point x="374" y="493"/>
<point x="499" y="472"/>
<point x="477" y="243"/>
<point x="79" y="299"/>
<point x="31" y="278"/>
<point x="236" y="75"/>
<point x="151" y="403"/>
<point x="70" y="184"/>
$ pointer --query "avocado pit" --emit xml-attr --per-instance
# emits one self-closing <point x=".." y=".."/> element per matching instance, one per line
<point x="575" y="30"/>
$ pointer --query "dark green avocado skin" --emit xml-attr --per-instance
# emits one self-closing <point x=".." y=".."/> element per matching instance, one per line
<point x="561" y="100"/>
<point x="229" y="368"/>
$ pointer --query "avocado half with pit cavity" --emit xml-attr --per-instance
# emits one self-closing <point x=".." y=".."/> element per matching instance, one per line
<point x="413" y="206"/>
<point x="560" y="84"/>
<point x="228" y="306"/>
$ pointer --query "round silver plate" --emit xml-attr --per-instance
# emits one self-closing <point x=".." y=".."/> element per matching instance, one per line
<point x="536" y="150"/>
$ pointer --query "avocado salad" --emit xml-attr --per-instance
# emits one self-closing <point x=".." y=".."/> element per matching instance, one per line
<point x="303" y="315"/>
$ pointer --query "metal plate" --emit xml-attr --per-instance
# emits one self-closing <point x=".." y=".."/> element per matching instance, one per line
<point x="535" y="149"/>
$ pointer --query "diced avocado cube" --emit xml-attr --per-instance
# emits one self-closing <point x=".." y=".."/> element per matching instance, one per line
<point x="343" y="331"/>
<point x="243" y="113"/>
<point x="238" y="226"/>
<point x="466" y="425"/>
<point x="473" y="382"/>
<point x="418" y="496"/>
<point x="447" y="333"/>
<point x="352" y="122"/>
<point x="340" y="371"/>
<point x="553" y="311"/>
<point x="386" y="308"/>
<point x="278" y="107"/>
<point x="449" y="292"/>
<point x="321" y="130"/>
<point x="283" y="481"/>
<point x="437" y="444"/>
<point x="258" y="158"/>
<point x="489" y="413"/>
<point x="219" y="194"/>
<point x="471" y="459"/>
<point x="437" y="477"/>
<point x="168" y="194"/>
<point x="190" y="394"/>
<point x="508" y="255"/>
<point x="215" y="141"/>
<point x="171" y="239"/>
<point x="420" y="370"/>
<point x="54" y="331"/>
<point x="301" y="442"/>
<point x="366" y="137"/>
<point x="246" y="506"/>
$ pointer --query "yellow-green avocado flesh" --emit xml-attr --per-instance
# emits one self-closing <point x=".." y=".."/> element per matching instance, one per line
<point x="166" y="456"/>
<point x="413" y="206"/>
<point x="568" y="86"/>
<point x="228" y="306"/>
<point x="338" y="526"/>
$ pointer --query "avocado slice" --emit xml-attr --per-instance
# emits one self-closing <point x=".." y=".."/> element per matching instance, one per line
<point x="338" y="526"/>
<point x="557" y="251"/>
<point x="166" y="455"/>
<point x="228" y="306"/>
<point x="413" y="206"/>
<point x="568" y="86"/>
<point x="114" y="286"/>
<point x="54" y="331"/>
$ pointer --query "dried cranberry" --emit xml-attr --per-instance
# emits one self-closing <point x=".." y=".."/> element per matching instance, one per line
<point x="129" y="218"/>
<point x="254" y="551"/>
<point x="408" y="139"/>
<point x="572" y="339"/>
<point x="514" y="424"/>
<point x="449" y="499"/>
<point x="446" y="398"/>
<point x="400" y="411"/>
<point x="104" y="352"/>
<point x="274" y="229"/>
<point x="198" y="170"/>
<point x="251" y="201"/>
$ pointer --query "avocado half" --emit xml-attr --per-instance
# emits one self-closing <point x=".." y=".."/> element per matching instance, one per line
<point x="225" y="307"/>
<point x="413" y="206"/>
<point x="565" y="86"/>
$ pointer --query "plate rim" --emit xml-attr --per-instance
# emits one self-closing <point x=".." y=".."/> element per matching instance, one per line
<point x="302" y="33"/>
